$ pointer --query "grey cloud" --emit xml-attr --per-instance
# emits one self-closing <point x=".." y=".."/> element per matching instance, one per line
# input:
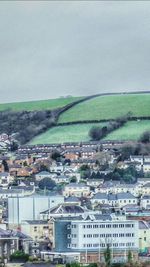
<point x="48" y="49"/>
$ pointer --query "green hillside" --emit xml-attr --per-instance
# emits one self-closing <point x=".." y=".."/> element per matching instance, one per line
<point x="79" y="132"/>
<point x="107" y="107"/>
<point x="132" y="130"/>
<point x="97" y="108"/>
<point x="39" y="104"/>
<point x="69" y="133"/>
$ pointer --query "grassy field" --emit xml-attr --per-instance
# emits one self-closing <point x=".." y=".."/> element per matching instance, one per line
<point x="107" y="107"/>
<point x="130" y="131"/>
<point x="69" y="133"/>
<point x="39" y="105"/>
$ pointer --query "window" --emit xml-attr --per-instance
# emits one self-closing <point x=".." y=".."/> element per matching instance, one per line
<point x="128" y="225"/>
<point x="108" y="225"/>
<point x="95" y="235"/>
<point x="128" y="234"/>
<point x="102" y="226"/>
<point x="115" y="235"/>
<point x="35" y="228"/>
<point x="69" y="236"/>
<point x="115" y="225"/>
<point x="121" y="244"/>
<point x="144" y="238"/>
<point x="89" y="226"/>
<point x="96" y="245"/>
<point x="102" y="235"/>
<point x="89" y="245"/>
<point x="129" y="244"/>
<point x="89" y="235"/>
<point x="74" y="235"/>
<point x="45" y="227"/>
<point x="121" y="235"/>
<point x="95" y="226"/>
<point x="108" y="235"/>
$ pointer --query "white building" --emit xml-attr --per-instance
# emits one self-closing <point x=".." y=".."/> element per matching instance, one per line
<point x="91" y="234"/>
<point x="5" y="179"/>
<point x="146" y="167"/>
<point x="115" y="200"/>
<point x="41" y="175"/>
<point x="29" y="208"/>
<point x="145" y="201"/>
<point x="77" y="190"/>
<point x="17" y="192"/>
<point x="97" y="230"/>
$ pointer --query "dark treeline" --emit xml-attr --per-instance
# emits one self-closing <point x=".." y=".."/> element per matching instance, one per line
<point x="97" y="133"/>
<point x="134" y="148"/>
<point x="26" y="124"/>
<point x="131" y="118"/>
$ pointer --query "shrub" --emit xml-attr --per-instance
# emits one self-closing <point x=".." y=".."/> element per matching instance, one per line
<point x="47" y="183"/>
<point x="19" y="255"/>
<point x="145" y="137"/>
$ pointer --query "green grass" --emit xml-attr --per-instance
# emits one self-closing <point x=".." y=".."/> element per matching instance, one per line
<point x="107" y="107"/>
<point x="39" y="104"/>
<point x="130" y="131"/>
<point x="69" y="133"/>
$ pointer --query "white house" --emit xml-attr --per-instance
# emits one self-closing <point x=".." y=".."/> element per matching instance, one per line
<point x="43" y="174"/>
<point x="146" y="167"/>
<point x="145" y="201"/>
<point x="78" y="190"/>
<point x="115" y="200"/>
<point x="5" y="179"/>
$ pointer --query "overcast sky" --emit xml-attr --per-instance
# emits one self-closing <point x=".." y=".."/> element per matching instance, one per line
<point x="52" y="49"/>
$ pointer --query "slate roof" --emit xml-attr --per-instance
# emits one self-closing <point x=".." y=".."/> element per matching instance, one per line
<point x="67" y="209"/>
<point x="111" y="196"/>
<point x="143" y="225"/>
<point x="72" y="199"/>
<point x="76" y="185"/>
<point x="4" y="174"/>
<point x="20" y="235"/>
<point x="131" y="207"/>
<point x="36" y="222"/>
<point x="4" y="233"/>
<point x="44" y="173"/>
<point x="146" y="197"/>
<point x="126" y="195"/>
<point x="100" y="196"/>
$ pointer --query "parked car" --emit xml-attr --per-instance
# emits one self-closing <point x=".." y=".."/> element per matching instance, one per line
<point x="143" y="254"/>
